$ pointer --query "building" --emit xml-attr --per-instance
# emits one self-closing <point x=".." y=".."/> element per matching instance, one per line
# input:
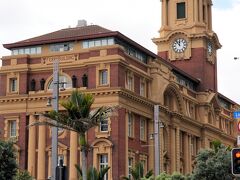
<point x="181" y="79"/>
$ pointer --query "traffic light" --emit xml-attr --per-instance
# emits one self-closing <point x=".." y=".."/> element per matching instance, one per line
<point x="235" y="161"/>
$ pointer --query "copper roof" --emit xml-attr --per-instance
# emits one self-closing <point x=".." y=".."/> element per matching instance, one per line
<point x="67" y="34"/>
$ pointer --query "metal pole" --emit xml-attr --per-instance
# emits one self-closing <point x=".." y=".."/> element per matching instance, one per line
<point x="156" y="141"/>
<point x="55" y="129"/>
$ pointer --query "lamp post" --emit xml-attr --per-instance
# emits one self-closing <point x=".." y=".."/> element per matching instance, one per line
<point x="156" y="141"/>
<point x="55" y="129"/>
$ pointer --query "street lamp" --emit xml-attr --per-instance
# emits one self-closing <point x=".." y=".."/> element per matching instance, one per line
<point x="157" y="126"/>
<point x="55" y="129"/>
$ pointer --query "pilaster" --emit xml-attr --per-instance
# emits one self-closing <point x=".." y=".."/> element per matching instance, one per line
<point x="41" y="164"/>
<point x="178" y="149"/>
<point x="173" y="150"/>
<point x="186" y="153"/>
<point x="73" y="156"/>
<point x="32" y="147"/>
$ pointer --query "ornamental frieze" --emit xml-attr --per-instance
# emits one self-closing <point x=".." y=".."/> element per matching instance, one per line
<point x="62" y="59"/>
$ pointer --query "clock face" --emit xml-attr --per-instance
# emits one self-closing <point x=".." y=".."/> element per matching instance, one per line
<point x="209" y="48"/>
<point x="179" y="45"/>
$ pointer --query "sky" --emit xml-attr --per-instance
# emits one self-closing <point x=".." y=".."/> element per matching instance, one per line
<point x="140" y="20"/>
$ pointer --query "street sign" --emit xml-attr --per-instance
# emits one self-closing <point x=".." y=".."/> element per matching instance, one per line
<point x="236" y="114"/>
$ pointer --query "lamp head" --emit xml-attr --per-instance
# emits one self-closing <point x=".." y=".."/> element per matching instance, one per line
<point x="49" y="102"/>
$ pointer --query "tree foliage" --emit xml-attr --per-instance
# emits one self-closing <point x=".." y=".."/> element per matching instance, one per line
<point x="8" y="165"/>
<point x="213" y="164"/>
<point x="23" y="175"/>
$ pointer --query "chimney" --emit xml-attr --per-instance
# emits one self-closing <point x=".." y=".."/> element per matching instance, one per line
<point x="82" y="23"/>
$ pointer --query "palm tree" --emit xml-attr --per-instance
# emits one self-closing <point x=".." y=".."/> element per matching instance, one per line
<point x="78" y="117"/>
<point x="137" y="173"/>
<point x="92" y="173"/>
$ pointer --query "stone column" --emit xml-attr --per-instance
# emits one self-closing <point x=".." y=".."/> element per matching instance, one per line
<point x="201" y="11"/>
<point x="164" y="12"/>
<point x="161" y="149"/>
<point x="209" y="17"/>
<point x="206" y="14"/>
<point x="178" y="149"/>
<point x="41" y="165"/>
<point x="196" y="11"/>
<point x="32" y="147"/>
<point x="173" y="148"/>
<point x="190" y="153"/>
<point x="73" y="156"/>
<point x="185" y="153"/>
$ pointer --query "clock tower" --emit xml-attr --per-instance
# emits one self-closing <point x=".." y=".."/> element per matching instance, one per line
<point x="188" y="41"/>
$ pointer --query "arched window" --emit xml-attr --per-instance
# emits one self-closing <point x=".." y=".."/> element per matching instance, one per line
<point x="64" y="83"/>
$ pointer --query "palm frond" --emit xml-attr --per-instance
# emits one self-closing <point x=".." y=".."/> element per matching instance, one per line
<point x="149" y="174"/>
<point x="102" y="172"/>
<point x="79" y="170"/>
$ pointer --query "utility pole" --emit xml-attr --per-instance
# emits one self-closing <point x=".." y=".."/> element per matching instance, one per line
<point x="156" y="141"/>
<point x="55" y="129"/>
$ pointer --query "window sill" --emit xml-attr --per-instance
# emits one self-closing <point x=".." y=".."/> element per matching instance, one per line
<point x="104" y="134"/>
<point x="12" y="93"/>
<point x="103" y="85"/>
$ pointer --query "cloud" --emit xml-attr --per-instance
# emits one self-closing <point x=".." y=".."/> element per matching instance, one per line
<point x="226" y="26"/>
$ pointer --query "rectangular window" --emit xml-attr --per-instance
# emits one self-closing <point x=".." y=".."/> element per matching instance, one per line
<point x="181" y="11"/>
<point x="129" y="82"/>
<point x="61" y="47"/>
<point x="103" y="163"/>
<point x="27" y="50"/>
<point x="97" y="42"/>
<point x="85" y="44"/>
<point x="130" y="166"/>
<point x="130" y="125"/>
<point x="142" y="88"/>
<point x="39" y="50"/>
<point x="91" y="44"/>
<point x="103" y="77"/>
<point x="142" y="129"/>
<point x="104" y="125"/>
<point x="104" y="42"/>
<point x="33" y="51"/>
<point x="13" y="84"/>
<point x="21" y="51"/>
<point x="12" y="128"/>
<point x="15" y="52"/>
<point x="144" y="165"/>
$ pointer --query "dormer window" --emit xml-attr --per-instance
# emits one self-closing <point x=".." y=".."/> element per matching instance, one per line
<point x="61" y="47"/>
<point x="27" y="50"/>
<point x="181" y="10"/>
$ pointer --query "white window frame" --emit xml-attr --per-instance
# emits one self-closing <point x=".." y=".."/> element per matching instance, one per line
<point x="104" y="163"/>
<point x="142" y="129"/>
<point x="13" y="84"/>
<point x="130" y="165"/>
<point x="130" y="125"/>
<point x="130" y="82"/>
<point x="142" y="88"/>
<point x="12" y="129"/>
<point x="103" y="125"/>
<point x="103" y="77"/>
